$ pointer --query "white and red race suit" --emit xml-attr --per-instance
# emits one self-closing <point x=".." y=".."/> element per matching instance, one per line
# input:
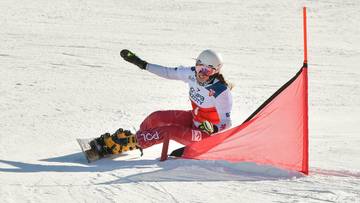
<point x="211" y="102"/>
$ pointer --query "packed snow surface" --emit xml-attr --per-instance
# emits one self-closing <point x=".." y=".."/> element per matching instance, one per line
<point x="61" y="78"/>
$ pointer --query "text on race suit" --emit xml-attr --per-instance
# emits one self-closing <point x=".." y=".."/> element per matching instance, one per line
<point x="196" y="97"/>
<point x="150" y="136"/>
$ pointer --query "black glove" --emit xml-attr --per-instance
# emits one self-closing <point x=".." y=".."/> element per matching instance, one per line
<point x="132" y="58"/>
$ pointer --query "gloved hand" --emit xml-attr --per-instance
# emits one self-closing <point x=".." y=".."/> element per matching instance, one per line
<point x="207" y="127"/>
<point x="132" y="58"/>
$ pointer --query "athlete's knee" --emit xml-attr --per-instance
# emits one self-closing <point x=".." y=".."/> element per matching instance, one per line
<point x="150" y="120"/>
<point x="159" y="117"/>
<point x="156" y="114"/>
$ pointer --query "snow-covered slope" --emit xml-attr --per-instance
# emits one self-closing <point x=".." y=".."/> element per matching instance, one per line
<point x="61" y="78"/>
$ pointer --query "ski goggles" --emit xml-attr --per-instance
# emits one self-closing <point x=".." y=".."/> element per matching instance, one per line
<point x="207" y="70"/>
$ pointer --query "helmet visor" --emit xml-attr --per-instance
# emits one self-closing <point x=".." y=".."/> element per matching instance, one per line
<point x="205" y="70"/>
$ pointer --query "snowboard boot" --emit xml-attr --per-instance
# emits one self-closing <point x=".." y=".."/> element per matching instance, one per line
<point x="120" y="141"/>
<point x="98" y="147"/>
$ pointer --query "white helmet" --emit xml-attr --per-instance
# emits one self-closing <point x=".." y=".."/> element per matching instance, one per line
<point x="210" y="58"/>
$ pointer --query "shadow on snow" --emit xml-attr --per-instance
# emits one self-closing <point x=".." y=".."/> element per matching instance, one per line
<point x="73" y="163"/>
<point x="173" y="170"/>
<point x="169" y="171"/>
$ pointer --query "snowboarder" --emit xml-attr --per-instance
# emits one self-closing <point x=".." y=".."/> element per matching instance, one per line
<point x="210" y="98"/>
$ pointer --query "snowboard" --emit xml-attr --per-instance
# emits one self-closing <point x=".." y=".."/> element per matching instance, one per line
<point x="93" y="151"/>
<point x="90" y="152"/>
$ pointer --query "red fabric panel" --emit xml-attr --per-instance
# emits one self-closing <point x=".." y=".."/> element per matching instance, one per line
<point x="277" y="135"/>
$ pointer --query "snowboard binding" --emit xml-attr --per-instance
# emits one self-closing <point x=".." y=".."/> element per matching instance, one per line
<point x="107" y="145"/>
<point x="120" y="141"/>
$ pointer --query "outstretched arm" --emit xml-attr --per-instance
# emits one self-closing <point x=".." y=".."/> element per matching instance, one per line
<point x="178" y="73"/>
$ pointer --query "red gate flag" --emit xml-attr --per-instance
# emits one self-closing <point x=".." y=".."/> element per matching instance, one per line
<point x="275" y="134"/>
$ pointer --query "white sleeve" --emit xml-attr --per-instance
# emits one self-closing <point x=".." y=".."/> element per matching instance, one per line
<point x="177" y="73"/>
<point x="223" y="105"/>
